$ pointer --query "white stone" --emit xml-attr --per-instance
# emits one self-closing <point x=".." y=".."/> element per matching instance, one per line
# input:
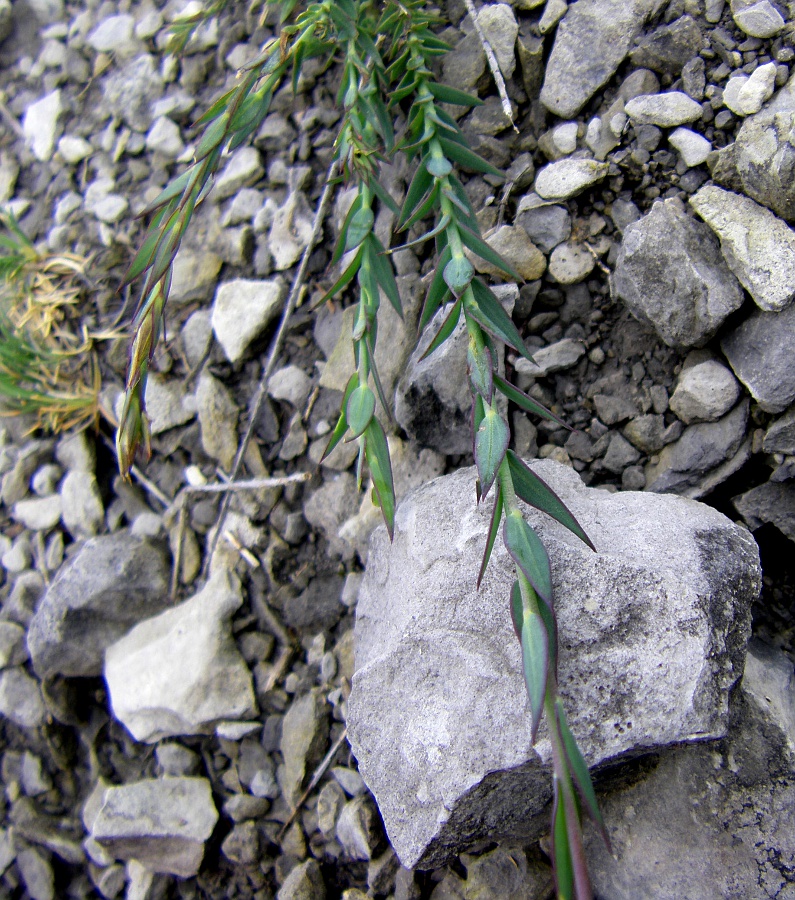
<point x="556" y="357"/>
<point x="499" y="25"/>
<point x="242" y="310"/>
<point x="564" y="137"/>
<point x="243" y="168"/>
<point x="705" y="392"/>
<point x="568" y="177"/>
<point x="291" y="384"/>
<point x="291" y="231"/>
<point x="165" y="137"/>
<point x="111" y="208"/>
<point x="167" y="403"/>
<point x="693" y="147"/>
<point x="745" y="95"/>
<point x="40" y="125"/>
<point x="113" y="34"/>
<point x="665" y="110"/>
<point x="74" y="149"/>
<point x="760" y="20"/>
<point x="38" y="514"/>
<point x="83" y="513"/>
<point x="180" y="673"/>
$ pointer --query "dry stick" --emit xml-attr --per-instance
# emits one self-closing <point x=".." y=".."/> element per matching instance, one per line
<point x="253" y="484"/>
<point x="493" y="65"/>
<point x="320" y="771"/>
<point x="292" y="300"/>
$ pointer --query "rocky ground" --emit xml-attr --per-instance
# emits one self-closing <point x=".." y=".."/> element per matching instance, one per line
<point x="153" y="748"/>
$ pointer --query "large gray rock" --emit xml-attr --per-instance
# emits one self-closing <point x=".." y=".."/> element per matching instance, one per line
<point x="771" y="502"/>
<point x="669" y="47"/>
<point x="760" y="163"/>
<point x="671" y="274"/>
<point x="163" y="823"/>
<point x="180" y="672"/>
<point x="780" y="437"/>
<point x="590" y="44"/>
<point x="111" y="584"/>
<point x="758" y="247"/>
<point x="711" y="821"/>
<point x="653" y="626"/>
<point x="760" y="353"/>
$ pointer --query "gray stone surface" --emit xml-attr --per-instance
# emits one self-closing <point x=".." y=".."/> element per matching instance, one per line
<point x="655" y="625"/>
<point x="693" y="147"/>
<point x="499" y="26"/>
<point x="547" y="225"/>
<point x="704" y="392"/>
<point x="759" y="20"/>
<point x="20" y="698"/>
<point x="568" y="177"/>
<point x="305" y="882"/>
<point x="772" y="502"/>
<point x="669" y="47"/>
<point x="780" y="436"/>
<point x="218" y="416"/>
<point x="242" y="310"/>
<point x="665" y="110"/>
<point x="590" y="44"/>
<point x="671" y="275"/>
<point x="303" y="740"/>
<point x="82" y="510"/>
<point x="556" y="357"/>
<point x="758" y="246"/>
<point x="163" y="823"/>
<point x="760" y="353"/>
<point x="112" y="583"/>
<point x="180" y="672"/>
<point x="716" y="820"/>
<point x="40" y="125"/>
<point x="745" y="95"/>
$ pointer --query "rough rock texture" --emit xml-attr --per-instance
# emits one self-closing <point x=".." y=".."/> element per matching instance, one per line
<point x="654" y="624"/>
<point x="598" y="34"/>
<point x="670" y="273"/>
<point x="758" y="247"/>
<point x="760" y="353"/>
<point x="771" y="502"/>
<point x="242" y="310"/>
<point x="712" y="821"/>
<point x="162" y="823"/>
<point x="112" y="583"/>
<point x="180" y="672"/>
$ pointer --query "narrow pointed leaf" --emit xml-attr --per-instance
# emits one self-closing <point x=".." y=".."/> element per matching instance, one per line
<point x="551" y="624"/>
<point x="527" y="403"/>
<point x="491" y="442"/>
<point x="340" y="248"/>
<point x="377" y="382"/>
<point x="383" y="195"/>
<point x="527" y="551"/>
<point x="423" y="208"/>
<point x="477" y="245"/>
<point x="479" y="369"/>
<point x="360" y="409"/>
<point x="536" y="492"/>
<point x="359" y="227"/>
<point x="344" y="279"/>
<point x="342" y="423"/>
<point x="517" y="610"/>
<point x="450" y="95"/>
<point x="535" y="660"/>
<point x="384" y="274"/>
<point x="478" y="414"/>
<point x="380" y="465"/>
<point x="494" y="527"/>
<point x="169" y="192"/>
<point x="220" y="106"/>
<point x="447" y="328"/>
<point x="465" y="157"/>
<point x="582" y="882"/>
<point x="437" y="292"/>
<point x="458" y="273"/>
<point x="439" y="227"/>
<point x="562" y="867"/>
<point x="580" y="774"/>
<point x="417" y="189"/>
<point x="488" y="312"/>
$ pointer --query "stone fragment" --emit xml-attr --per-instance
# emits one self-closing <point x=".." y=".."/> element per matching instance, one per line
<point x="745" y="95"/>
<point x="163" y="823"/>
<point x="758" y="247"/>
<point x="780" y="436"/>
<point x="556" y="357"/>
<point x="568" y="177"/>
<point x="241" y="845"/>
<point x="164" y="137"/>
<point x="76" y="453"/>
<point x="656" y="624"/>
<point x="646" y="432"/>
<point x="218" y="416"/>
<point x="130" y="90"/>
<point x="498" y="23"/>
<point x="305" y="882"/>
<point x="290" y="384"/>
<point x="180" y="672"/>
<point x="328" y="507"/>
<point x="665" y="110"/>
<point x="13" y="650"/>
<point x="704" y="393"/>
<point x="112" y="34"/>
<point x="20" y="698"/>
<point x="38" y="513"/>
<point x="598" y="34"/>
<point x="620" y="454"/>
<point x="464" y="65"/>
<point x="37" y="874"/>
<point x="693" y="147"/>
<point x="83" y="512"/>
<point x="571" y="263"/>
<point x="685" y="466"/>
<point x="304" y="738"/>
<point x="669" y="47"/>
<point x="671" y="275"/>
<point x="242" y="310"/>
<point x="40" y="125"/>
<point x="759" y="20"/>
<point x="547" y="225"/>
<point x="194" y="275"/>
<point x="516" y="248"/>
<point x="760" y="354"/>
<point x="771" y="502"/>
<point x="112" y="583"/>
<point x="358" y="829"/>
<point x="243" y="169"/>
<point x="291" y="231"/>
<point x="167" y="403"/>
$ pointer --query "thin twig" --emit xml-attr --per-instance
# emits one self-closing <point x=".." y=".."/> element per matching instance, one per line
<point x="177" y="564"/>
<point x="320" y="771"/>
<point x="10" y="119"/>
<point x="292" y="301"/>
<point x="496" y="74"/>
<point x="150" y="486"/>
<point x="253" y="484"/>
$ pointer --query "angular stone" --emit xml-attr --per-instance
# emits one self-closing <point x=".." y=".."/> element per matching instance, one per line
<point x="758" y="247"/>
<point x="568" y="177"/>
<point x="305" y="882"/>
<point x="242" y="310"/>
<point x="130" y="91"/>
<point x="590" y="44"/>
<point x="671" y="274"/>
<point x="556" y="357"/>
<point x="654" y="630"/>
<point x="516" y="248"/>
<point x="745" y="95"/>
<point x="112" y="34"/>
<point x="194" y="275"/>
<point x="20" y="698"/>
<point x="760" y="353"/>
<point x="83" y="513"/>
<point x="165" y="138"/>
<point x="243" y="169"/>
<point x="693" y="147"/>
<point x="770" y="502"/>
<point x="498" y="24"/>
<point x="163" y="823"/>
<point x="291" y="231"/>
<point x="113" y="582"/>
<point x="38" y="513"/>
<point x="780" y="437"/>
<point x="304" y="738"/>
<point x="759" y="20"/>
<point x="704" y="393"/>
<point x="218" y="416"/>
<point x="168" y="405"/>
<point x="547" y="225"/>
<point x="665" y="110"/>
<point x="40" y="125"/>
<point x="669" y="47"/>
<point x="180" y="672"/>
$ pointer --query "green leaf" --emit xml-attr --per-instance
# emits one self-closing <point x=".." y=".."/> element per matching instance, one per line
<point x="439" y="227"/>
<point x="465" y="157"/>
<point x="419" y="186"/>
<point x="562" y="867"/>
<point x="450" y="95"/>
<point x="439" y="166"/>
<point x="458" y="273"/>
<point x="342" y="423"/>
<point x="447" y="328"/>
<point x="380" y="465"/>
<point x="488" y="312"/>
<point x="360" y="226"/>
<point x="579" y="772"/>
<point x="527" y="403"/>
<point x="422" y="209"/>
<point x="342" y="240"/>
<point x="346" y="277"/>
<point x="384" y="274"/>
<point x="360" y="409"/>
<point x="383" y="195"/>
<point x="535" y="660"/>
<point x="477" y="245"/>
<point x="534" y="491"/>
<point x="494" y="527"/>
<point x="527" y="551"/>
<point x="479" y="369"/>
<point x="437" y="292"/>
<point x="491" y="442"/>
<point x="212" y="137"/>
<point x="517" y="610"/>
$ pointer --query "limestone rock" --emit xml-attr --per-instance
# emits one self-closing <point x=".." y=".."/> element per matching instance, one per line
<point x="112" y="583"/>
<point x="242" y="310"/>
<point x="655" y="626"/>
<point x="705" y="392"/>
<point x="180" y="672"/>
<point x="40" y="125"/>
<point x="770" y="502"/>
<point x="218" y="419"/>
<point x="759" y="20"/>
<point x="568" y="177"/>
<point x="665" y="110"/>
<point x="498" y="24"/>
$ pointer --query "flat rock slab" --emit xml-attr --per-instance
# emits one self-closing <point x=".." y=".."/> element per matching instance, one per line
<point x="654" y="628"/>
